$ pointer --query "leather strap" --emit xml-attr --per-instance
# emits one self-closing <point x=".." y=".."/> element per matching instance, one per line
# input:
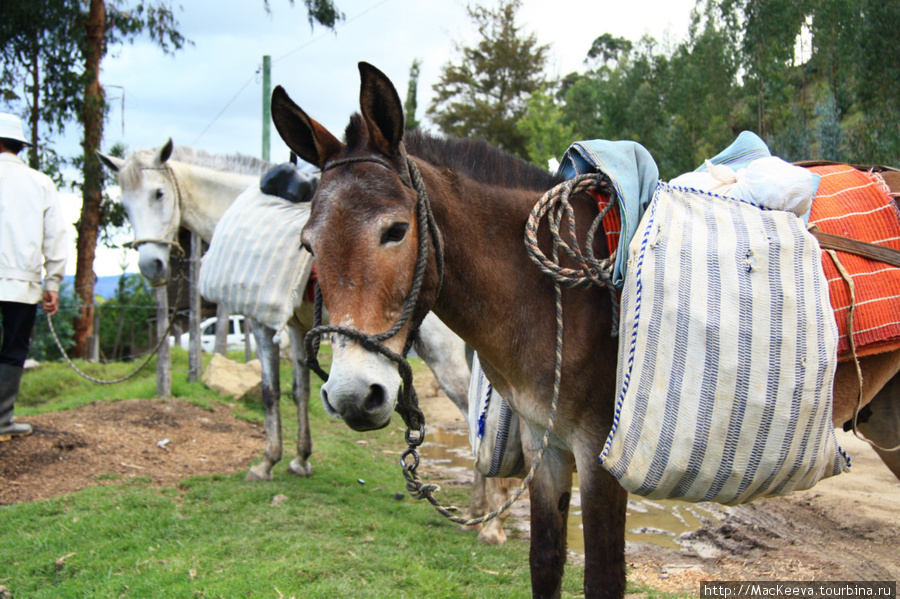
<point x="879" y="253"/>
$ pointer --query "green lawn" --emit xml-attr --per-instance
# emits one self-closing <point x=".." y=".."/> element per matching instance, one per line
<point x="340" y="533"/>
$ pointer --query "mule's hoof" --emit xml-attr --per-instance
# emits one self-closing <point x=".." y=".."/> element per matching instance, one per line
<point x="492" y="537"/>
<point x="258" y="474"/>
<point x="464" y="528"/>
<point x="300" y="468"/>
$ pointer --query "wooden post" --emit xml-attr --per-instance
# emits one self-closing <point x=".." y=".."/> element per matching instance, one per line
<point x="245" y="328"/>
<point x="195" y="362"/>
<point x="223" y="326"/>
<point x="94" y="341"/>
<point x="164" y="356"/>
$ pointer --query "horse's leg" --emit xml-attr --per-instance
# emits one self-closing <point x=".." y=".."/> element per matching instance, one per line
<point x="550" y="493"/>
<point x="603" y="503"/>
<point x="883" y="426"/>
<point x="300" y="465"/>
<point x="268" y="355"/>
<point x="495" y="492"/>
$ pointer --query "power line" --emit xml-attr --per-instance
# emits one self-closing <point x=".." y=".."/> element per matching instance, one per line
<point x="282" y="57"/>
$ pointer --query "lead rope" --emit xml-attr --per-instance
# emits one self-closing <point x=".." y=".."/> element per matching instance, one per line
<point x="162" y="340"/>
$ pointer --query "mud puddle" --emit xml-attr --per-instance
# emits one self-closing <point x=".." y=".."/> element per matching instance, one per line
<point x="659" y="522"/>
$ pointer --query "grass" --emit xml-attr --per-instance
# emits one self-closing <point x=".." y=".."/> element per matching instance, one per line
<point x="340" y="533"/>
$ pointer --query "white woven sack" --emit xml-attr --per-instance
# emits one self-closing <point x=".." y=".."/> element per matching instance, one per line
<point x="255" y="265"/>
<point x="728" y="349"/>
<point x="493" y="429"/>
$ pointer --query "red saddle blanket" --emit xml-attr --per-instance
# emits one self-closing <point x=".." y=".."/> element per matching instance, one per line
<point x="855" y="204"/>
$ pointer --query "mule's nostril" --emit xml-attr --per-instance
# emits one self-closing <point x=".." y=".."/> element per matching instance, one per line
<point x="376" y="398"/>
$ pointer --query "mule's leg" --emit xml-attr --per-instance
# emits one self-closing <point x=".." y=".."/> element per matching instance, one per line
<point x="603" y="503"/>
<point x="268" y="355"/>
<point x="300" y="465"/>
<point x="883" y="426"/>
<point x="550" y="493"/>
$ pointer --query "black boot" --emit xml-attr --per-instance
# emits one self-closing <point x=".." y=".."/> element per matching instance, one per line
<point x="10" y="377"/>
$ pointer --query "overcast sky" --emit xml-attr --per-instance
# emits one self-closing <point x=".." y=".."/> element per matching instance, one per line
<point x="209" y="95"/>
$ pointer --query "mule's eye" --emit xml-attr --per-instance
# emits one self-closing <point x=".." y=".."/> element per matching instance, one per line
<point x="159" y="194"/>
<point x="395" y="233"/>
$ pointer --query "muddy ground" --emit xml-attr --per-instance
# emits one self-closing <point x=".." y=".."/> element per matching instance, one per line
<point x="846" y="528"/>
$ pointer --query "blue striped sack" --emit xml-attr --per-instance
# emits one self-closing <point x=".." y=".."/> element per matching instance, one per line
<point x="493" y="429"/>
<point x="728" y="349"/>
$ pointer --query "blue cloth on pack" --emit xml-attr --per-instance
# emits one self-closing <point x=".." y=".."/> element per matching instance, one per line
<point x="634" y="176"/>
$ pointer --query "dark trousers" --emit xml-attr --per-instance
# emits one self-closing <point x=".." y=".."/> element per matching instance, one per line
<point x="16" y="323"/>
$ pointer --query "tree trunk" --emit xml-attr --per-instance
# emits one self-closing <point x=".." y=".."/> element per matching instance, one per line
<point x="89" y="225"/>
<point x="33" y="156"/>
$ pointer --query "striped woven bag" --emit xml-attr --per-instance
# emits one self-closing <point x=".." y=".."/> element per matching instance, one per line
<point x="728" y="349"/>
<point x="255" y="265"/>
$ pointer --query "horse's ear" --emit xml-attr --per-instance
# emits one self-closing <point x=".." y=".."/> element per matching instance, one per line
<point x="382" y="110"/>
<point x="111" y="162"/>
<point x="164" y="153"/>
<point x="308" y="139"/>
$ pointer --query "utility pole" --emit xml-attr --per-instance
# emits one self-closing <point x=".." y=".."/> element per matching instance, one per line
<point x="267" y="105"/>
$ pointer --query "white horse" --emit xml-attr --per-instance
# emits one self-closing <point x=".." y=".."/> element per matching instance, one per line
<point x="168" y="188"/>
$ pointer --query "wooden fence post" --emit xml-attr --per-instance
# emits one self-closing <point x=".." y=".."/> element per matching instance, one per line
<point x="164" y="356"/>
<point x="223" y="327"/>
<point x="194" y="358"/>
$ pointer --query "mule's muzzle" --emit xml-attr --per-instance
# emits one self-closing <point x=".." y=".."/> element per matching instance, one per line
<point x="371" y="412"/>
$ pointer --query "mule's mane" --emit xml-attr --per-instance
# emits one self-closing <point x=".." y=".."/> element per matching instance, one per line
<point x="480" y="161"/>
<point x="473" y="157"/>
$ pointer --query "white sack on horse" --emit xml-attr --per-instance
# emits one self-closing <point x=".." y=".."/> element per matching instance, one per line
<point x="255" y="265"/>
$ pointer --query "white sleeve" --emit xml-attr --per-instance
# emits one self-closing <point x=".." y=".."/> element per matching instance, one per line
<point x="55" y="244"/>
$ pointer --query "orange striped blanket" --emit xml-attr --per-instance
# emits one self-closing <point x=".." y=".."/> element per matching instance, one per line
<point x="853" y="204"/>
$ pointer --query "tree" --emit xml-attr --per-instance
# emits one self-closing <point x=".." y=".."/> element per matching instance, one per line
<point x="412" y="102"/>
<point x="40" y="46"/>
<point x="543" y="126"/>
<point x="486" y="94"/>
<point x="54" y="50"/>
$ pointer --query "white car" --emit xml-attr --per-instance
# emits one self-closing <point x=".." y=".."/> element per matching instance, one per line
<point x="235" y="340"/>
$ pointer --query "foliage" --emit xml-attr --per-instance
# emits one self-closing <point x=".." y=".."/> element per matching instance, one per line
<point x="412" y="103"/>
<point x="40" y="45"/>
<point x="323" y="12"/>
<point x="43" y="346"/>
<point x="486" y="93"/>
<point x="124" y="319"/>
<point x="543" y="126"/>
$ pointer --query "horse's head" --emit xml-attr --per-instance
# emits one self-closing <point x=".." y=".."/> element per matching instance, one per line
<point x="149" y="195"/>
<point x="363" y="231"/>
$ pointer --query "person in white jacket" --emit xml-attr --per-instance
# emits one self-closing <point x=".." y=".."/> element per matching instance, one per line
<point x="32" y="235"/>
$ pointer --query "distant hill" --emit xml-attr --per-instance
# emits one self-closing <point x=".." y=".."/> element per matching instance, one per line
<point x="104" y="286"/>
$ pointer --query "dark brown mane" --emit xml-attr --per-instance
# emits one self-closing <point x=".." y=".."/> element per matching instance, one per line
<point x="473" y="157"/>
<point x="479" y="160"/>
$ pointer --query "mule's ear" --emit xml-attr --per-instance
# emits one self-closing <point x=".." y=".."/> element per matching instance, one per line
<point x="164" y="153"/>
<point x="382" y="110"/>
<point x="308" y="139"/>
<point x="111" y="162"/>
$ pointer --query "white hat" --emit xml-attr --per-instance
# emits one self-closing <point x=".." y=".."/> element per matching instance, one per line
<point x="11" y="128"/>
